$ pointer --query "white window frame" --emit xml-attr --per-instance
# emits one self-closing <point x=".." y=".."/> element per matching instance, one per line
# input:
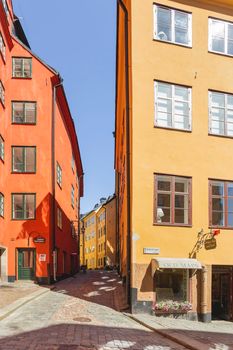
<point x="59" y="175"/>
<point x="173" y="11"/>
<point x="2" y="148"/>
<point x="156" y="83"/>
<point x="1" y="205"/>
<point x="2" y="46"/>
<point x="2" y="93"/>
<point x="225" y="112"/>
<point x="226" y="23"/>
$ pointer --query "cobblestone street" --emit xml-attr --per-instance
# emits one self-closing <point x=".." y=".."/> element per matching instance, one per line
<point x="80" y="313"/>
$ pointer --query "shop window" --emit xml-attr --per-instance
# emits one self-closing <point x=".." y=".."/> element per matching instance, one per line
<point x="221" y="36"/>
<point x="23" y="112"/>
<point x="171" y="285"/>
<point x="221" y="203"/>
<point x="172" y="200"/>
<point x="22" y="67"/>
<point x="171" y="25"/>
<point x="173" y="106"/>
<point x="23" y="206"/>
<point x="23" y="159"/>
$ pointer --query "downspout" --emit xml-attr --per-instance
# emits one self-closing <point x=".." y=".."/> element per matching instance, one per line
<point x="122" y="5"/>
<point x="53" y="206"/>
<point x="79" y="230"/>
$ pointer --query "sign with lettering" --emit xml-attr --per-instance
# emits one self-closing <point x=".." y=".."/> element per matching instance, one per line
<point x="42" y="257"/>
<point x="153" y="251"/>
<point x="39" y="239"/>
<point x="210" y="244"/>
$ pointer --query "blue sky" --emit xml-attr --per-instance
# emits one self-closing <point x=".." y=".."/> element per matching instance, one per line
<point x="78" y="38"/>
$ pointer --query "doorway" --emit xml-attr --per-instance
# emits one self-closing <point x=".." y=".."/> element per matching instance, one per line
<point x="222" y="292"/>
<point x="26" y="264"/>
<point x="3" y="264"/>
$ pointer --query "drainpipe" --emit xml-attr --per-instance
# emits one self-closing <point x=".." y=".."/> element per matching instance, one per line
<point x="122" y="5"/>
<point x="79" y="229"/>
<point x="204" y="293"/>
<point x="53" y="165"/>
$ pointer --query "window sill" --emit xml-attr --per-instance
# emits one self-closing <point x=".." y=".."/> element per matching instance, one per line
<point x="13" y="123"/>
<point x="173" y="43"/>
<point x="220" y="228"/>
<point x="173" y="129"/>
<point x="12" y="219"/>
<point x="222" y="136"/>
<point x="23" y="173"/>
<point x="24" y="78"/>
<point x="172" y="225"/>
<point x="220" y="54"/>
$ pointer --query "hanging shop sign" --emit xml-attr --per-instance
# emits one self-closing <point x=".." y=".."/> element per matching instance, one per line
<point x="42" y="257"/>
<point x="210" y="244"/>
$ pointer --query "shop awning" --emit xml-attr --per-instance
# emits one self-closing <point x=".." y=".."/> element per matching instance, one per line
<point x="174" y="263"/>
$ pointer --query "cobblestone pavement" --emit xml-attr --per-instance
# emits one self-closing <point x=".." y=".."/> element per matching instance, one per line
<point x="10" y="292"/>
<point x="217" y="335"/>
<point x="79" y="314"/>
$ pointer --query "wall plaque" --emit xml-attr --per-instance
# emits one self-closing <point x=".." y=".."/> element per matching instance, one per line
<point x="151" y="251"/>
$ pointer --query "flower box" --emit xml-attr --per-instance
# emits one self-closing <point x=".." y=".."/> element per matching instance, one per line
<point x="171" y="307"/>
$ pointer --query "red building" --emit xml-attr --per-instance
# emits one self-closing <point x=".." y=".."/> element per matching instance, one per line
<point x="41" y="175"/>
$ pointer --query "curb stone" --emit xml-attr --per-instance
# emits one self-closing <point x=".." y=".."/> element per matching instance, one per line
<point x="9" y="309"/>
<point x="174" y="336"/>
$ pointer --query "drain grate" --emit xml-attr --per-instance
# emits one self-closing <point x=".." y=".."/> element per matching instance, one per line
<point x="82" y="319"/>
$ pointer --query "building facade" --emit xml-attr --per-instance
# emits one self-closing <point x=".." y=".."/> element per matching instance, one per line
<point x="99" y="235"/>
<point x="173" y="153"/>
<point x="41" y="175"/>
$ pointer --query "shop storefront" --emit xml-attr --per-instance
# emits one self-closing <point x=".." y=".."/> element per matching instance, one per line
<point x="172" y="284"/>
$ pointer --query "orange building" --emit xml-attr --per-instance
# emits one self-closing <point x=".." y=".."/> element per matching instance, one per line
<point x="173" y="155"/>
<point x="41" y="175"/>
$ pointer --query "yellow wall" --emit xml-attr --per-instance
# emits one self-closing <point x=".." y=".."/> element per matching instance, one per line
<point x="89" y="241"/>
<point x="193" y="154"/>
<point x="101" y="241"/>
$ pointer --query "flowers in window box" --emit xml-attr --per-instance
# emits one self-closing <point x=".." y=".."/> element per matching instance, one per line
<point x="172" y="306"/>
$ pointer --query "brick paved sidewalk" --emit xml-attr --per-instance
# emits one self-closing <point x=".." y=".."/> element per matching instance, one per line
<point x="217" y="335"/>
<point x="11" y="292"/>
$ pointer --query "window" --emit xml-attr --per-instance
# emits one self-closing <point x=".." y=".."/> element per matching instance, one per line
<point x="59" y="218"/>
<point x="24" y="112"/>
<point x="72" y="162"/>
<point x="2" y="93"/>
<point x="172" y="200"/>
<point x="172" y="25"/>
<point x="5" y="6"/>
<point x="59" y="175"/>
<point x="23" y="159"/>
<point x="172" y="106"/>
<point x="2" y="148"/>
<point x="22" y="67"/>
<point x="221" y="203"/>
<point x="1" y="205"/>
<point x="72" y="196"/>
<point x="171" y="285"/>
<point x="2" y="46"/>
<point x="220" y="113"/>
<point x="23" y="206"/>
<point x="221" y="36"/>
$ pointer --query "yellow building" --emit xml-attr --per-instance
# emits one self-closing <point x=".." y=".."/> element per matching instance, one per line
<point x="99" y="234"/>
<point x="173" y="155"/>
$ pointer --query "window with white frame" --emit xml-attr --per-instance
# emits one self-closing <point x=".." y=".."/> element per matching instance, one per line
<point x="172" y="25"/>
<point x="59" y="174"/>
<point x="2" y="150"/>
<point x="22" y="67"/>
<point x="1" y="205"/>
<point x="173" y="106"/>
<point x="220" y="113"/>
<point x="2" y="46"/>
<point x="59" y="218"/>
<point x="2" y="93"/>
<point x="221" y="36"/>
<point x="72" y="196"/>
